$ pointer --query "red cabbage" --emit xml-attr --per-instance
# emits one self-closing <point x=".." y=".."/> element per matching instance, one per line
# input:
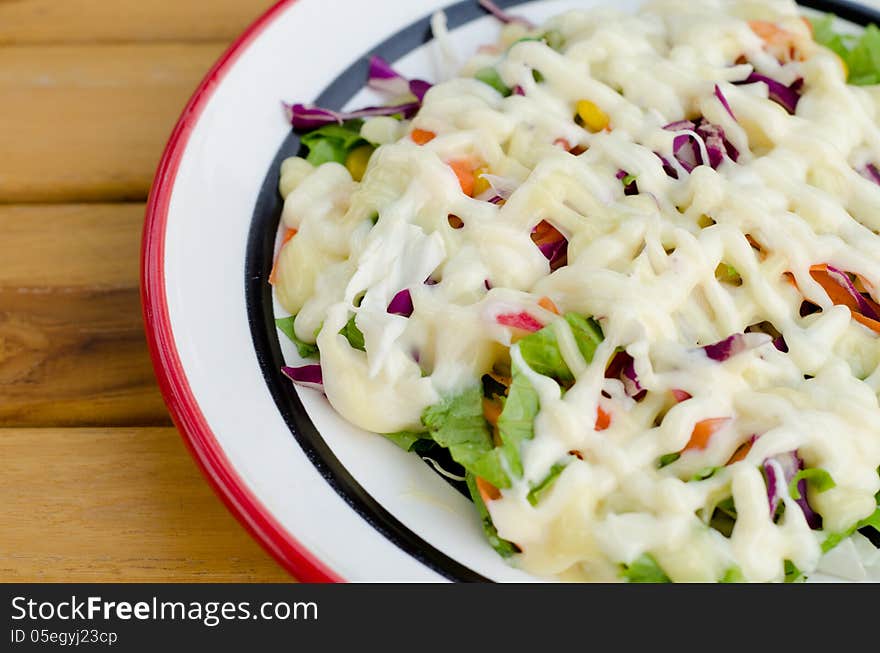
<point x="790" y="464"/>
<point x="401" y="304"/>
<point x="723" y="101"/>
<point x="843" y="279"/>
<point x="502" y="15"/>
<point x="308" y="117"/>
<point x="553" y="245"/>
<point x="631" y="188"/>
<point x="733" y="345"/>
<point x="307" y="376"/>
<point x="385" y="79"/>
<point x="871" y="173"/>
<point x="686" y="147"/>
<point x="518" y="90"/>
<point x="785" y="96"/>
<point x="668" y="168"/>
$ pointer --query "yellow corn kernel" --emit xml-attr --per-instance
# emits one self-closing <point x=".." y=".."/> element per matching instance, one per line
<point x="357" y="160"/>
<point x="481" y="185"/>
<point x="592" y="116"/>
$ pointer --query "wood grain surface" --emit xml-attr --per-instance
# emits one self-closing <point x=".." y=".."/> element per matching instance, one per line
<point x="96" y="484"/>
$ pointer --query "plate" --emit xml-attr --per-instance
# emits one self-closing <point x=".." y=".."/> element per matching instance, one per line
<point x="328" y="501"/>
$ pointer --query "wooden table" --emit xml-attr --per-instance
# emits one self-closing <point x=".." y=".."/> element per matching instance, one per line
<point x="96" y="484"/>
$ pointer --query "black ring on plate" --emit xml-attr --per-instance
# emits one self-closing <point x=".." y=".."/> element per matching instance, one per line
<point x="258" y="292"/>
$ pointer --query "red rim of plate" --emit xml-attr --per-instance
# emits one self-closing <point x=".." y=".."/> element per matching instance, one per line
<point x="181" y="402"/>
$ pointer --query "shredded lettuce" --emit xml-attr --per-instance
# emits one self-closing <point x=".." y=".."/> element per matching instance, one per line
<point x="538" y="491"/>
<point x="704" y="473"/>
<point x="793" y="574"/>
<point x="406" y="440"/>
<point x="517" y="421"/>
<point x="819" y="478"/>
<point x="504" y="548"/>
<point x="644" y="569"/>
<point x="354" y="335"/>
<point x="667" y="459"/>
<point x="458" y="424"/>
<point x="333" y="142"/>
<point x="491" y="77"/>
<point x="871" y="522"/>
<point x="540" y="350"/>
<point x="732" y="575"/>
<point x="305" y="349"/>
<point x="861" y="54"/>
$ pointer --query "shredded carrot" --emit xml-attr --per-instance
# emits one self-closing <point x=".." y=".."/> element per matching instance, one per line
<point x="290" y="233"/>
<point x="422" y="136"/>
<point x="780" y="42"/>
<point x="703" y="431"/>
<point x="503" y="380"/>
<point x="741" y="452"/>
<point x="839" y="295"/>
<point x="767" y="30"/>
<point x="488" y="492"/>
<point x="492" y="410"/>
<point x="464" y="170"/>
<point x="273" y="275"/>
<point x="874" y="325"/>
<point x="603" y="420"/>
<point x="547" y="303"/>
<point x="809" y="25"/>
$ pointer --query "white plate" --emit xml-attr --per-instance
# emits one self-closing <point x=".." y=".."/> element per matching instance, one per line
<point x="329" y="501"/>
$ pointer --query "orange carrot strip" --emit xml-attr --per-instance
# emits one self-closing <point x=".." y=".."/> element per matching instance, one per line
<point x="488" y="492"/>
<point x="603" y="420"/>
<point x="464" y="170"/>
<point x="741" y="452"/>
<point x="703" y="431"/>
<point x="422" y="136"/>
<point x="492" y="410"/>
<point x="547" y="303"/>
<point x="273" y="275"/>
<point x="868" y="322"/>
<point x="767" y="30"/>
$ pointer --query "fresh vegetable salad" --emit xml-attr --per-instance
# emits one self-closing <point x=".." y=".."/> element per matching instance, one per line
<point x="625" y="270"/>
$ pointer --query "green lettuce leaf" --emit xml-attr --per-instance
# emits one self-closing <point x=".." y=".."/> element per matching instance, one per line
<point x="540" y="350"/>
<point x="873" y="521"/>
<point x="517" y="421"/>
<point x="732" y="575"/>
<point x="458" y="424"/>
<point x="354" y="335"/>
<point x="305" y="349"/>
<point x="644" y="570"/>
<point x="793" y="574"/>
<point x="491" y="77"/>
<point x="406" y="440"/>
<point x="538" y="491"/>
<point x="504" y="548"/>
<point x="861" y="54"/>
<point x="332" y="142"/>
<point x="818" y="478"/>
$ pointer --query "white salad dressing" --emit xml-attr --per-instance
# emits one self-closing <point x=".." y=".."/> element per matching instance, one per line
<point x="643" y="266"/>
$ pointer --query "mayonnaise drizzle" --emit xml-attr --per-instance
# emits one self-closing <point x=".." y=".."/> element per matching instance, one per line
<point x="644" y="266"/>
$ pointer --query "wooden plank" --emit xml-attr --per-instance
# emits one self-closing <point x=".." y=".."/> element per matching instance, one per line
<point x="100" y="505"/>
<point x="72" y="348"/>
<point x="81" y="21"/>
<point x="88" y="123"/>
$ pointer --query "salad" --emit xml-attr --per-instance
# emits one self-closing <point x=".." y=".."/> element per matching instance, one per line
<point x="623" y="272"/>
